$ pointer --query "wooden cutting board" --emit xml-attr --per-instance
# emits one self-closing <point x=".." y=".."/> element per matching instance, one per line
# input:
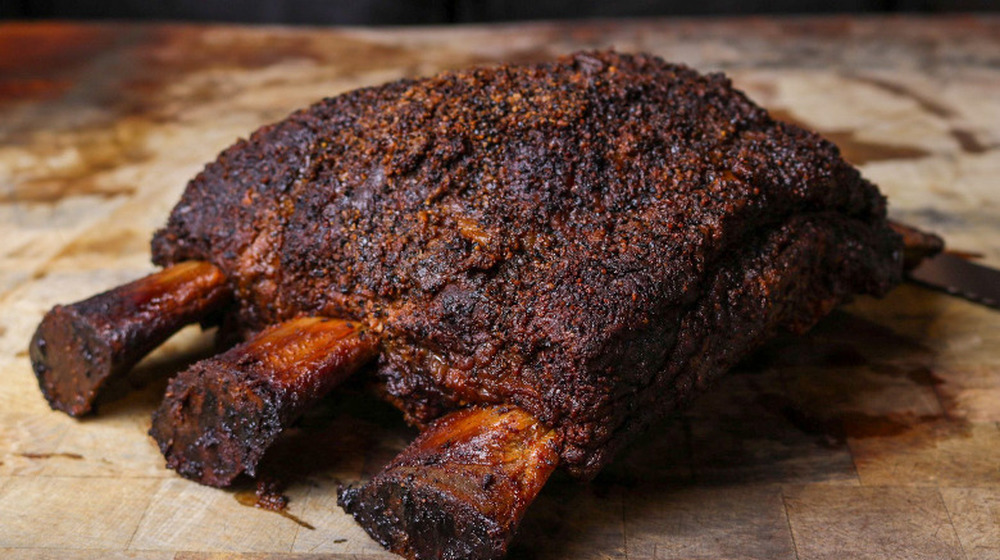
<point x="875" y="436"/>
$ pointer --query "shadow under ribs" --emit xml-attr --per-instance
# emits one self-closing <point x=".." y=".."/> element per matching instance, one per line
<point x="460" y="489"/>
<point x="78" y="349"/>
<point x="220" y="415"/>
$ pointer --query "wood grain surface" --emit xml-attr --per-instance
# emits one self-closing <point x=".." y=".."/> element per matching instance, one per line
<point x="876" y="436"/>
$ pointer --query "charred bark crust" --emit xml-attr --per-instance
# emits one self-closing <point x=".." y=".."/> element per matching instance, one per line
<point x="511" y="245"/>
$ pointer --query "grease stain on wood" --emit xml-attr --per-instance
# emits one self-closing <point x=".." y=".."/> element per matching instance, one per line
<point x="32" y="89"/>
<point x="860" y="152"/>
<point x="923" y="101"/>
<point x="969" y="143"/>
<point x="853" y="149"/>
<point x="54" y="190"/>
<point x="250" y="498"/>
<point x="73" y="456"/>
<point x="77" y="163"/>
<point x="106" y="244"/>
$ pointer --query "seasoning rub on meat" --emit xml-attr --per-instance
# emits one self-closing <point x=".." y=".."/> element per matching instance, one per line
<point x="536" y="262"/>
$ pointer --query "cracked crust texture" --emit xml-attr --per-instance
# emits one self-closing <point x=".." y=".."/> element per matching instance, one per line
<point x="592" y="239"/>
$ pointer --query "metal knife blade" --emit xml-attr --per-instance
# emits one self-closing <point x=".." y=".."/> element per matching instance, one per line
<point x="958" y="276"/>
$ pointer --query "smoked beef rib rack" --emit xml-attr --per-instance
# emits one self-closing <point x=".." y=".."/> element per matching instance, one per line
<point x="536" y="261"/>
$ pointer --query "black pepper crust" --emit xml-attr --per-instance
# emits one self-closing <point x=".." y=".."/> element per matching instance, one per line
<point x="591" y="239"/>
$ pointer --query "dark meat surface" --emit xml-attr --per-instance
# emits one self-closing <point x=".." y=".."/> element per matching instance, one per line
<point x="591" y="240"/>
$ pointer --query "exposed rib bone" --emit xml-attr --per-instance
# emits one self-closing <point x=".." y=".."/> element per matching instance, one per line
<point x="221" y="414"/>
<point x="917" y="245"/>
<point x="460" y="489"/>
<point x="79" y="348"/>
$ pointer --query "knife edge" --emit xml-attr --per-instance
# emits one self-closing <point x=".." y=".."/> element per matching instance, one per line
<point x="955" y="275"/>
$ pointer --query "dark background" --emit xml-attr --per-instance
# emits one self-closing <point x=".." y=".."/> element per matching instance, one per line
<point x="394" y="12"/>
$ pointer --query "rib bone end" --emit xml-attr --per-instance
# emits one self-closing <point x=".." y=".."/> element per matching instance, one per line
<point x="220" y="415"/>
<point x="78" y="349"/>
<point x="215" y="423"/>
<point x="461" y="488"/>
<point x="71" y="360"/>
<point x="917" y="245"/>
